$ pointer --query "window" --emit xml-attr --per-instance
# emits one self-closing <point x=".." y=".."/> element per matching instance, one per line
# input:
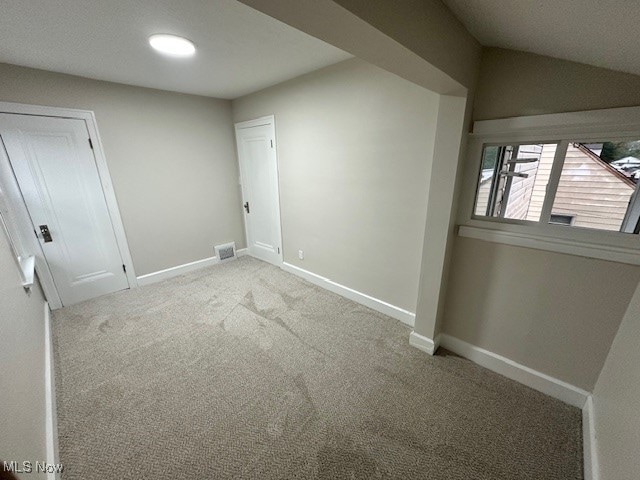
<point x="573" y="184"/>
<point x="562" y="182"/>
<point x="513" y="179"/>
<point x="561" y="219"/>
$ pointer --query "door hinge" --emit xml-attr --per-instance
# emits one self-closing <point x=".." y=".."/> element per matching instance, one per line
<point x="124" y="268"/>
<point x="90" y="144"/>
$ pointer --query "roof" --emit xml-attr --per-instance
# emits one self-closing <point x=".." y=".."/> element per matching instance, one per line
<point x="605" y="165"/>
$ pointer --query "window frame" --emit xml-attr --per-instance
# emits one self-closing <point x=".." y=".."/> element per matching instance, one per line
<point x="619" y="124"/>
<point x="515" y="221"/>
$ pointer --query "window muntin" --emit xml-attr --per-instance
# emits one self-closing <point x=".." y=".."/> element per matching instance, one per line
<point x="594" y="184"/>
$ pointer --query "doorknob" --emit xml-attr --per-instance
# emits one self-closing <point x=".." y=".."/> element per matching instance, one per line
<point x="46" y="234"/>
<point x="246" y="206"/>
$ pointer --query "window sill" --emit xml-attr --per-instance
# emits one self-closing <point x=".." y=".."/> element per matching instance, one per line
<point x="629" y="256"/>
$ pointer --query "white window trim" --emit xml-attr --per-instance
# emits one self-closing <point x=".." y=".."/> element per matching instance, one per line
<point x="609" y="124"/>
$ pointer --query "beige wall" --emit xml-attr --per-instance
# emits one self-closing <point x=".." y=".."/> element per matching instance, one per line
<point x="616" y="401"/>
<point x="515" y="83"/>
<point x="171" y="156"/>
<point x="428" y="28"/>
<point x="355" y="146"/>
<point x="22" y="360"/>
<point x="552" y="312"/>
<point x="418" y="40"/>
<point x="423" y="42"/>
<point x="499" y="297"/>
<point x="453" y="116"/>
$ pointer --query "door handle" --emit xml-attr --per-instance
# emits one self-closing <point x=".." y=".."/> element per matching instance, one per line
<point x="246" y="207"/>
<point x="46" y="234"/>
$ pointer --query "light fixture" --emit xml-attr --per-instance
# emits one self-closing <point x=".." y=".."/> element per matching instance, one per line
<point x="172" y="45"/>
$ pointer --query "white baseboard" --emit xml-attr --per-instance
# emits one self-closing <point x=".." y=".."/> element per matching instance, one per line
<point x="373" y="303"/>
<point x="589" y="441"/>
<point x="424" y="343"/>
<point x="51" y="417"/>
<point x="527" y="376"/>
<point x="161" y="275"/>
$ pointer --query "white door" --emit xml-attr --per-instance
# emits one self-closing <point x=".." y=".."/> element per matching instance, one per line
<point x="53" y="162"/>
<point x="259" y="178"/>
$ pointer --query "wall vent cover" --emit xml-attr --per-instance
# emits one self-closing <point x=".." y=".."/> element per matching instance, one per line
<point x="225" y="252"/>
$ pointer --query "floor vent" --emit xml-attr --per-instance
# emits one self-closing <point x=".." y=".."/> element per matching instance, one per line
<point x="225" y="252"/>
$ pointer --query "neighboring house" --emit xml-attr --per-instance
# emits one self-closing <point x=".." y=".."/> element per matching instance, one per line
<point x="591" y="193"/>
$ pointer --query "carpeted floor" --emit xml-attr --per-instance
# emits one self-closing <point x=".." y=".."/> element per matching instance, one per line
<point x="244" y="371"/>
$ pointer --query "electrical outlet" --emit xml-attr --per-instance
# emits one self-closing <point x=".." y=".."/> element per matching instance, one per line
<point x="300" y="254"/>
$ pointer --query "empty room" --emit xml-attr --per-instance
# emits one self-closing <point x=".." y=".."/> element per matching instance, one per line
<point x="319" y="239"/>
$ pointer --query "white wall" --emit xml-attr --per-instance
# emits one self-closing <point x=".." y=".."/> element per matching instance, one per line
<point x="22" y="366"/>
<point x="171" y="156"/>
<point x="355" y="146"/>
<point x="616" y="402"/>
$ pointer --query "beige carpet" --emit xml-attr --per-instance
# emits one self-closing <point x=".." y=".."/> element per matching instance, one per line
<point x="245" y="371"/>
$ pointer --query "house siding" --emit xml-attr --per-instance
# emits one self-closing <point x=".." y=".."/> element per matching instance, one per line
<point x="596" y="196"/>
<point x="588" y="189"/>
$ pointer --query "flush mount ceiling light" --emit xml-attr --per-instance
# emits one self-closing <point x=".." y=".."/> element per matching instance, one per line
<point x="172" y="45"/>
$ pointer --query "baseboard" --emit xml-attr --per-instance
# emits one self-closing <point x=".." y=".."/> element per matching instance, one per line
<point x="51" y="418"/>
<point x="424" y="343"/>
<point x="167" y="273"/>
<point x="373" y="303"/>
<point x="589" y="441"/>
<point x="527" y="376"/>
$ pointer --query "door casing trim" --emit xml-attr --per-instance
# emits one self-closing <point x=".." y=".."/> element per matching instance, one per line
<point x="45" y="277"/>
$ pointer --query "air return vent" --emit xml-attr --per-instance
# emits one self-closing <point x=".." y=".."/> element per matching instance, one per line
<point x="225" y="252"/>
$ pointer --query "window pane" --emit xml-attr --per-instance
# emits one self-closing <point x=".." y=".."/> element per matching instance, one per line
<point x="513" y="181"/>
<point x="596" y="185"/>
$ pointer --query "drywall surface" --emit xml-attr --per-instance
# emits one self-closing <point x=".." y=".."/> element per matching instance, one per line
<point x="439" y="228"/>
<point x="616" y="401"/>
<point x="555" y="313"/>
<point x="552" y="312"/>
<point x="171" y="157"/>
<point x="22" y="366"/>
<point x="420" y="41"/>
<point x="355" y="146"/>
<point x="513" y="83"/>
<point x="428" y="28"/>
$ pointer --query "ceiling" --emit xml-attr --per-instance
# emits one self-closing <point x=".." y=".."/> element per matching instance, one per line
<point x="596" y="32"/>
<point x="239" y="50"/>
